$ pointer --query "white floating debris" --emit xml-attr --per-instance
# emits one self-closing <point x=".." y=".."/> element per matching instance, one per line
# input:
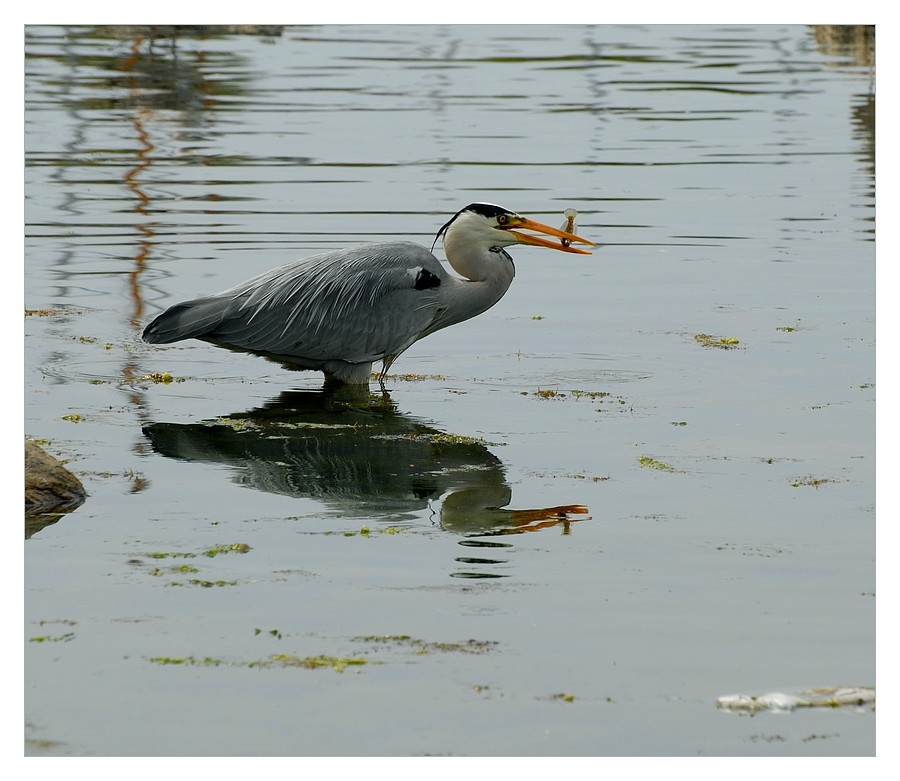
<point x="845" y="696"/>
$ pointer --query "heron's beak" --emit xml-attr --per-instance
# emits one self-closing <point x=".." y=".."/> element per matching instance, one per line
<point x="527" y="238"/>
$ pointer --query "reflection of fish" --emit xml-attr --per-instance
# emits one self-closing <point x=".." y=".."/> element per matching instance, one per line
<point x="358" y="455"/>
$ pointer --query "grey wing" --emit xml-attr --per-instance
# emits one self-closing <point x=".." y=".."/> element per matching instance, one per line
<point x="356" y="305"/>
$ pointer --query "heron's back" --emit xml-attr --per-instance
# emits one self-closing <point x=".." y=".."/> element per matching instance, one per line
<point x="355" y="305"/>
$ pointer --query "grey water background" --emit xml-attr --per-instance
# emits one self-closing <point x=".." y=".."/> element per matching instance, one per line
<point x="729" y="540"/>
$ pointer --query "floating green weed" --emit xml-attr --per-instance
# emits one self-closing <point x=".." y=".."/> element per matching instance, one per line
<point x="235" y="547"/>
<point x="52" y="312"/>
<point x="410" y="377"/>
<point x="583" y="394"/>
<point x="52" y="638"/>
<point x="206" y="661"/>
<point x="721" y="342"/>
<point x="160" y="378"/>
<point x="424" y="647"/>
<point x="549" y="393"/>
<point x="440" y="438"/>
<point x="592" y="478"/>
<point x="815" y="482"/>
<point x="553" y="393"/>
<point x="647" y="462"/>
<point x="237" y="424"/>
<point x="336" y="663"/>
<point x="365" y="531"/>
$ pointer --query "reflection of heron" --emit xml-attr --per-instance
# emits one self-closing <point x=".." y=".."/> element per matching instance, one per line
<point x="359" y="457"/>
<point x="339" y="312"/>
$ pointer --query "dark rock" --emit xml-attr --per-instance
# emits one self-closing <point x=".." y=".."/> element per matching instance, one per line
<point x="50" y="489"/>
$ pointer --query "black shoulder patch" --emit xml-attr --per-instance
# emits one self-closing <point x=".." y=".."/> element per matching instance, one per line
<point x="425" y="279"/>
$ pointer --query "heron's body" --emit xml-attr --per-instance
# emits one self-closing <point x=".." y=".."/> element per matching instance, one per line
<point x="339" y="312"/>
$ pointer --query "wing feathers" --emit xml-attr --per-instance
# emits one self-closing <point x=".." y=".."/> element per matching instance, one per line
<point x="353" y="305"/>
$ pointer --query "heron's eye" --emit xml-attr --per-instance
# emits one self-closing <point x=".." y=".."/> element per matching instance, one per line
<point x="503" y="219"/>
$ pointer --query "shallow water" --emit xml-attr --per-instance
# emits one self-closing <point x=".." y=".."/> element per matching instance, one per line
<point x="240" y="519"/>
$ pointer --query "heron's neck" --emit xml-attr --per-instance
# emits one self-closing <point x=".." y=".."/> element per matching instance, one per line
<point x="469" y="259"/>
<point x="488" y="276"/>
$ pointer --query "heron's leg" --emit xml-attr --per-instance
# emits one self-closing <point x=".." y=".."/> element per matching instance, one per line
<point x="386" y="364"/>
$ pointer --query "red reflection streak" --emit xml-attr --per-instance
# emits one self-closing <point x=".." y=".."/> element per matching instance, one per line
<point x="544" y="518"/>
<point x="132" y="179"/>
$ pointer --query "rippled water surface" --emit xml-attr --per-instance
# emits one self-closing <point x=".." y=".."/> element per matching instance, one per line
<point x="642" y="481"/>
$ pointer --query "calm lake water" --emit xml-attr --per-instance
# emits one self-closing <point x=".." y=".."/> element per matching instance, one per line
<point x="263" y="568"/>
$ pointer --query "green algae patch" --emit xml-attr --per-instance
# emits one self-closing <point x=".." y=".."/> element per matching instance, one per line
<point x="424" y="647"/>
<point x="646" y="462"/>
<point x="549" y="393"/>
<point x="411" y="377"/>
<point x="236" y="423"/>
<point x="583" y="394"/>
<point x="811" y="481"/>
<point x="52" y="638"/>
<point x="159" y="378"/>
<point x="207" y="583"/>
<point x="365" y="531"/>
<point x="52" y="312"/>
<point x="720" y="342"/>
<point x="439" y="438"/>
<point x="183" y="569"/>
<point x="576" y="394"/>
<point x="235" y="547"/>
<point x="191" y="661"/>
<point x="336" y="663"/>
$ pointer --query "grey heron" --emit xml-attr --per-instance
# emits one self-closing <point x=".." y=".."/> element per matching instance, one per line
<point x="341" y="311"/>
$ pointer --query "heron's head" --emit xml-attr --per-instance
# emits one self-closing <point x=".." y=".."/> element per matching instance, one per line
<point x="488" y="225"/>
